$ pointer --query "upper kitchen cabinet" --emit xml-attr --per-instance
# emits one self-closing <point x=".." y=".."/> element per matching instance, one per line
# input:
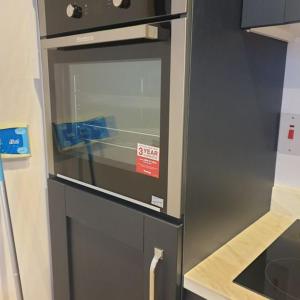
<point x="279" y="19"/>
<point x="263" y="12"/>
<point x="292" y="11"/>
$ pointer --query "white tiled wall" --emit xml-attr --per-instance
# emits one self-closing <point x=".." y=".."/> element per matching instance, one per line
<point x="20" y="101"/>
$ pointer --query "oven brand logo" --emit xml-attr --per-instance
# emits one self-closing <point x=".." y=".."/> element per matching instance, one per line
<point x="85" y="39"/>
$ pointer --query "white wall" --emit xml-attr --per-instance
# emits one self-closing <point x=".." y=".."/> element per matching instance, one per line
<point x="20" y="101"/>
<point x="288" y="166"/>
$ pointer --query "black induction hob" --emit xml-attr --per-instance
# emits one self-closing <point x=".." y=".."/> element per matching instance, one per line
<point x="275" y="274"/>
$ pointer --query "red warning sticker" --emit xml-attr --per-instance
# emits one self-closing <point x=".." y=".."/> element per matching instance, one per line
<point x="147" y="160"/>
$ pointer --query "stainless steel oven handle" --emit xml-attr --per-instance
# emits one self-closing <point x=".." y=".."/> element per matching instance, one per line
<point x="158" y="256"/>
<point x="105" y="36"/>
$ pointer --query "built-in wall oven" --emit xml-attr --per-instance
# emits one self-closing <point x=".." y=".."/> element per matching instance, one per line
<point x="114" y="77"/>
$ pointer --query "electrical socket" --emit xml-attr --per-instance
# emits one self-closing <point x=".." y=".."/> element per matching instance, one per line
<point x="289" y="134"/>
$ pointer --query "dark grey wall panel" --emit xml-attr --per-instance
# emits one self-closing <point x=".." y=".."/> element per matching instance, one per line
<point x="263" y="12"/>
<point x="235" y="103"/>
<point x="292" y="13"/>
<point x="59" y="247"/>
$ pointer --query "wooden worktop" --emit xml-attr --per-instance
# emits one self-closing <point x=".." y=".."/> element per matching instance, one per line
<point x="213" y="278"/>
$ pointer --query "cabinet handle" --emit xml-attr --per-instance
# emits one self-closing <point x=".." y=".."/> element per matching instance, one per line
<point x="148" y="32"/>
<point x="158" y="256"/>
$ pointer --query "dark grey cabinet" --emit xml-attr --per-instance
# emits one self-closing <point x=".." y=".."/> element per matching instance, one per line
<point x="262" y="12"/>
<point x="292" y="11"/>
<point x="103" y="250"/>
<point x="257" y="13"/>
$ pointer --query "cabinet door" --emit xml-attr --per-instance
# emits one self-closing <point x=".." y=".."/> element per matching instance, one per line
<point x="263" y="12"/>
<point x="292" y="13"/>
<point x="103" y="250"/>
<point x="105" y="243"/>
<point x="58" y="236"/>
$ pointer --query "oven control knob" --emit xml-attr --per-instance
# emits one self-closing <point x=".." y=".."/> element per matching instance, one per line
<point x="74" y="11"/>
<point x="121" y="3"/>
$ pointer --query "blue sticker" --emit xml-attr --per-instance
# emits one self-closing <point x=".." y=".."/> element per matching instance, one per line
<point x="14" y="141"/>
<point x="1" y="171"/>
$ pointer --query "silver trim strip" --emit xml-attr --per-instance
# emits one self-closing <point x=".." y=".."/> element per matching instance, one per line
<point x="104" y="36"/>
<point x="179" y="6"/>
<point x="109" y="193"/>
<point x="47" y="112"/>
<point x="42" y="17"/>
<point x="176" y="121"/>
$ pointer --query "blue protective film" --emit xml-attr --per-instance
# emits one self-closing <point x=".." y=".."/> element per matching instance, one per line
<point x="14" y="141"/>
<point x="69" y="135"/>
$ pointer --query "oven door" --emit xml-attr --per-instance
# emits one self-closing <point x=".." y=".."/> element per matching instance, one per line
<point x="110" y="113"/>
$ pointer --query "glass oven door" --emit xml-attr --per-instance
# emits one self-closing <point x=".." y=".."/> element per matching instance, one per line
<point x="110" y="104"/>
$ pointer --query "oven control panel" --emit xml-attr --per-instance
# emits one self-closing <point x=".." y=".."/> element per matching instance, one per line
<point x="64" y="17"/>
<point x="81" y="9"/>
